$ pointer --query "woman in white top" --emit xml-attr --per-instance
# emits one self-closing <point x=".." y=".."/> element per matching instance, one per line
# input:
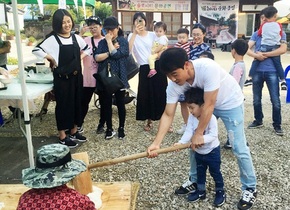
<point x="64" y="51"/>
<point x="151" y="97"/>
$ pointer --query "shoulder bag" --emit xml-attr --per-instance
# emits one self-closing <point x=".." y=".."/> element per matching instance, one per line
<point x="132" y="67"/>
<point x="110" y="81"/>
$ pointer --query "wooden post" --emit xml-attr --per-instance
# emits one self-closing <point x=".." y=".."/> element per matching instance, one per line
<point x="83" y="182"/>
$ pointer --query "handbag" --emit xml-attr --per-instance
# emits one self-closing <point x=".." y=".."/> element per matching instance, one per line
<point x="110" y="81"/>
<point x="132" y="67"/>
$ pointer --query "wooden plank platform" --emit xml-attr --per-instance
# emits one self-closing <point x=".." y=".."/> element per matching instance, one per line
<point x="116" y="195"/>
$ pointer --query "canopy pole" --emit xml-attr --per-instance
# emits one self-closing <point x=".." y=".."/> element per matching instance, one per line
<point x="23" y="84"/>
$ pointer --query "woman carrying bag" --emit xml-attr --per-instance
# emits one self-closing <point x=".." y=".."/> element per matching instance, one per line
<point x="112" y="54"/>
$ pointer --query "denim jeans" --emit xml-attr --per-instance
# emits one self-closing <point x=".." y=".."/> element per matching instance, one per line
<point x="233" y="120"/>
<point x="212" y="161"/>
<point x="272" y="82"/>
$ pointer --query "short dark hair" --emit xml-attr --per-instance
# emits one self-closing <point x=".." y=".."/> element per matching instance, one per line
<point x="240" y="46"/>
<point x="194" y="95"/>
<point x="141" y="15"/>
<point x="160" y="24"/>
<point x="269" y="11"/>
<point x="183" y="31"/>
<point x="172" y="59"/>
<point x="207" y="54"/>
<point x="57" y="19"/>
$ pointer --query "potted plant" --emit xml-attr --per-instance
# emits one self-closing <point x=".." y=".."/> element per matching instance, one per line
<point x="10" y="34"/>
<point x="31" y="41"/>
<point x="23" y="37"/>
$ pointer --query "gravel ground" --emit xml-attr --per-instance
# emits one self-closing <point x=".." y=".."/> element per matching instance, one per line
<point x="160" y="176"/>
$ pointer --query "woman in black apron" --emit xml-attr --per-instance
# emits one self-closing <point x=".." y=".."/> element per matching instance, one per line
<point x="62" y="50"/>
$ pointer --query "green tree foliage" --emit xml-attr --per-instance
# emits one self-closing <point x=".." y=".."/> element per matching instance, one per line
<point x="34" y="11"/>
<point x="103" y="10"/>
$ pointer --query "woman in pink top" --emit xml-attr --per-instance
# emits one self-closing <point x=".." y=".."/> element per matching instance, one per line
<point x="90" y="65"/>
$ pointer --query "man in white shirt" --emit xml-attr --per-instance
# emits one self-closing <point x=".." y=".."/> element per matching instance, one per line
<point x="223" y="98"/>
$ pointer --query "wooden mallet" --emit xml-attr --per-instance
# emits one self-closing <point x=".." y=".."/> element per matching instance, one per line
<point x="83" y="182"/>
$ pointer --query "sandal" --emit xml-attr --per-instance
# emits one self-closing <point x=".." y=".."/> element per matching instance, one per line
<point x="148" y="126"/>
<point x="170" y="130"/>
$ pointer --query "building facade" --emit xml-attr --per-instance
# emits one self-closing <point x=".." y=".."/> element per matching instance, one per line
<point x="240" y="19"/>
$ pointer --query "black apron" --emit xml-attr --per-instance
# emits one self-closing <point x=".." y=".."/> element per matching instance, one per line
<point x="68" y="90"/>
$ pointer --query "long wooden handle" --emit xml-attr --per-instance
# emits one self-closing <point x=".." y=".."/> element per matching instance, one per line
<point x="137" y="156"/>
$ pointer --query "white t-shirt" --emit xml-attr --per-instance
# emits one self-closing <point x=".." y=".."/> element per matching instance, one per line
<point x="51" y="47"/>
<point x="210" y="135"/>
<point x="210" y="76"/>
<point x="163" y="40"/>
<point x="142" y="47"/>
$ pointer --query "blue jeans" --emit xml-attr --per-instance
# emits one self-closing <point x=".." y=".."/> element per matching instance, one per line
<point x="272" y="82"/>
<point x="212" y="161"/>
<point x="233" y="120"/>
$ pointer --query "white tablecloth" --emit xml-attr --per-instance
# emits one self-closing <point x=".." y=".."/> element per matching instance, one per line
<point x="12" y="96"/>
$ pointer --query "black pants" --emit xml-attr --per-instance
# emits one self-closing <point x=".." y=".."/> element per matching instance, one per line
<point x="86" y="99"/>
<point x="106" y="108"/>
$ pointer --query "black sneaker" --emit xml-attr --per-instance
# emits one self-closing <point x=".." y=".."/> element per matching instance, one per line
<point x="78" y="137"/>
<point x="248" y="199"/>
<point x="255" y="124"/>
<point x="81" y="129"/>
<point x="68" y="142"/>
<point x="110" y="133"/>
<point x="283" y="86"/>
<point x="100" y="129"/>
<point x="121" y="133"/>
<point x="196" y="196"/>
<point x="248" y="82"/>
<point x="220" y="198"/>
<point x="187" y="187"/>
<point x="227" y="145"/>
<point x="278" y="130"/>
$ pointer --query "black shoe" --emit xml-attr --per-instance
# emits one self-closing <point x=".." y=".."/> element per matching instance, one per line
<point x="110" y="133"/>
<point x="68" y="142"/>
<point x="255" y="124"/>
<point x="121" y="133"/>
<point x="278" y="130"/>
<point x="78" y="137"/>
<point x="187" y="187"/>
<point x="196" y="196"/>
<point x="248" y="82"/>
<point x="248" y="199"/>
<point x="283" y="86"/>
<point x="220" y="198"/>
<point x="100" y="129"/>
<point x="227" y="145"/>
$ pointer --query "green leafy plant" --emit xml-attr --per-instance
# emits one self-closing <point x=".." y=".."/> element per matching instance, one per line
<point x="12" y="61"/>
<point x="31" y="39"/>
<point x="10" y="32"/>
<point x="23" y="36"/>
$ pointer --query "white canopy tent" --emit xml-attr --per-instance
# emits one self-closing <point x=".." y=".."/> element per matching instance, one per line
<point x="283" y="7"/>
